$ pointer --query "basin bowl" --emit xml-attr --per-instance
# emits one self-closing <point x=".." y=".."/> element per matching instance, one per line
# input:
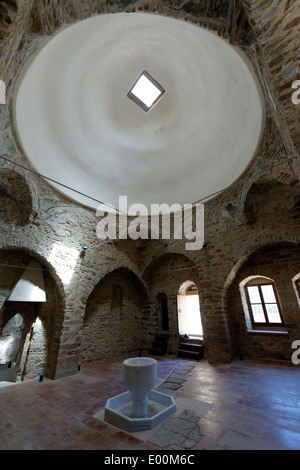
<point x="139" y="377"/>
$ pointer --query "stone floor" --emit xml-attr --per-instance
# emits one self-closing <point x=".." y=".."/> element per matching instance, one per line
<point x="245" y="405"/>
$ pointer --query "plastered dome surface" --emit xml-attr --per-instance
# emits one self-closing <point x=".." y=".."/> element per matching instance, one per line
<point x="77" y="126"/>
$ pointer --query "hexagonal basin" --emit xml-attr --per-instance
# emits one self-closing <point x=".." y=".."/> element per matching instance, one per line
<point x="141" y="407"/>
<point x="119" y="411"/>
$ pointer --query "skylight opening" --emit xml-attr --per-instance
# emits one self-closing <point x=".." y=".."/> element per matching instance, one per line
<point x="146" y="91"/>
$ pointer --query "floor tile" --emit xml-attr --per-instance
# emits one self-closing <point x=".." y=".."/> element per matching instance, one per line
<point x="246" y="404"/>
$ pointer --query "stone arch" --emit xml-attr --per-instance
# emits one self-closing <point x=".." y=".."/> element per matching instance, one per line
<point x="31" y="253"/>
<point x="43" y="321"/>
<point x="166" y="273"/>
<point x="260" y="260"/>
<point x="270" y="198"/>
<point x="16" y="201"/>
<point x="171" y="257"/>
<point x="105" y="335"/>
<point x="122" y="264"/>
<point x="257" y="244"/>
<point x="185" y="286"/>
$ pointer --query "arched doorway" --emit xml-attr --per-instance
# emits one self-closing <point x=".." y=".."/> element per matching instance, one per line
<point x="15" y="339"/>
<point x="189" y="316"/>
<point x="10" y="339"/>
<point x="36" y="350"/>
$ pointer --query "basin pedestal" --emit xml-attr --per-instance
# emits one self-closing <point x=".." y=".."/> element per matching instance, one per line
<point x="139" y="377"/>
<point x="140" y="408"/>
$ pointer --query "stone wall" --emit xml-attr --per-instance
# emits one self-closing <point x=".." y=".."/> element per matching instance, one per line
<point x="279" y="263"/>
<point x="112" y="324"/>
<point x="165" y="275"/>
<point x="276" y="27"/>
<point x="38" y="335"/>
<point x="80" y="321"/>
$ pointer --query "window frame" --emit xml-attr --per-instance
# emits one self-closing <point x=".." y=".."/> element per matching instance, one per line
<point x="267" y="323"/>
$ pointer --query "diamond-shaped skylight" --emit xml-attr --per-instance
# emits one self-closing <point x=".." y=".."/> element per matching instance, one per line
<point x="146" y="91"/>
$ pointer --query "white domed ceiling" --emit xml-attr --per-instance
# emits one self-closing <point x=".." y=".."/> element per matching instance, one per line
<point x="77" y="125"/>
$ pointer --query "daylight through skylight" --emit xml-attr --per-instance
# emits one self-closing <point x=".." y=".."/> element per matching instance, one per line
<point x="146" y="91"/>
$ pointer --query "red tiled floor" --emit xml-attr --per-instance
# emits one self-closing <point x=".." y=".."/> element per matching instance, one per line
<point x="242" y="405"/>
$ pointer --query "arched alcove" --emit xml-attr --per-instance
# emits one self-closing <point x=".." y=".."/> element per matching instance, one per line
<point x="116" y="310"/>
<point x="38" y="350"/>
<point x="270" y="198"/>
<point x="114" y="321"/>
<point x="15" y="197"/>
<point x="275" y="263"/>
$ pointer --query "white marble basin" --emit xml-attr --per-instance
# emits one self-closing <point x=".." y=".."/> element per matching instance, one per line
<point x="139" y="377"/>
<point x="140" y="408"/>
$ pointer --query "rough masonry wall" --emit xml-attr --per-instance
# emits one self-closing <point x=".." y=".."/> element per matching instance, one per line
<point x="112" y="324"/>
<point x="165" y="275"/>
<point x="38" y="335"/>
<point x="281" y="264"/>
<point x="276" y="24"/>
